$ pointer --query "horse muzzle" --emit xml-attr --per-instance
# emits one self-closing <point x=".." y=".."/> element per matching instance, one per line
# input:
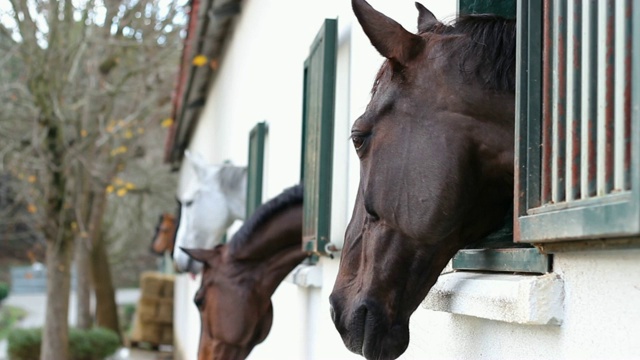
<point x="367" y="331"/>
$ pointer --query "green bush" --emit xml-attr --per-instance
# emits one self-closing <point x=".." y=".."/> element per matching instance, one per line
<point x="4" y="291"/>
<point x="9" y="316"/>
<point x="94" y="344"/>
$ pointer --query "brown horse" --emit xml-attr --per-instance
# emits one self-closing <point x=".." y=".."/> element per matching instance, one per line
<point x="240" y="276"/>
<point x="164" y="237"/>
<point x="436" y="149"/>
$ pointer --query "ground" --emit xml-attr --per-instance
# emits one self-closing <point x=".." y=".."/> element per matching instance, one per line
<point x="34" y="304"/>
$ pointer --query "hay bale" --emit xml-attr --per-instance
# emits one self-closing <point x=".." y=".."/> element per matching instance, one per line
<point x="167" y="335"/>
<point x="151" y="333"/>
<point x="164" y="311"/>
<point x="153" y="321"/>
<point x="148" y="308"/>
<point x="151" y="284"/>
<point x="167" y="287"/>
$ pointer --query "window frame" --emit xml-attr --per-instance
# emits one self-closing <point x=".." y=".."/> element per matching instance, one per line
<point x="255" y="167"/>
<point x="607" y="216"/>
<point x="318" y="117"/>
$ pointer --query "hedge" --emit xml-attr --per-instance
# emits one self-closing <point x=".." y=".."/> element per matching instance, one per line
<point x="93" y="344"/>
<point x="4" y="291"/>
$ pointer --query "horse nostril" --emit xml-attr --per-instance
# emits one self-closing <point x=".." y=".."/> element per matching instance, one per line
<point x="334" y="308"/>
<point x="373" y="216"/>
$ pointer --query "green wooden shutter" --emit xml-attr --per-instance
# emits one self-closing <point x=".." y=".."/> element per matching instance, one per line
<point x="317" y="138"/>
<point x="578" y="111"/>
<point x="255" y="167"/>
<point x="506" y="8"/>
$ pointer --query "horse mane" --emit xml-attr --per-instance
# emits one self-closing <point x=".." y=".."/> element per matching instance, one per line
<point x="231" y="177"/>
<point x="290" y="196"/>
<point x="490" y="53"/>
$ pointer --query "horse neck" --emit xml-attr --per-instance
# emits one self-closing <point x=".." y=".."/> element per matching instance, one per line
<point x="280" y="265"/>
<point x="276" y="245"/>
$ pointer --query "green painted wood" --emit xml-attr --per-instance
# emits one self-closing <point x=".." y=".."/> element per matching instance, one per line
<point x="506" y="8"/>
<point x="599" y="216"/>
<point x="503" y="260"/>
<point x="634" y="170"/>
<point x="318" y="122"/>
<point x="530" y="152"/>
<point x="255" y="167"/>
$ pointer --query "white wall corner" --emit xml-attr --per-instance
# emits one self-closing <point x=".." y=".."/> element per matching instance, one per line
<point x="520" y="299"/>
<point x="306" y="276"/>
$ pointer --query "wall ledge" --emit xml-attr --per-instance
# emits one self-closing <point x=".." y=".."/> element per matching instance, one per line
<point x="306" y="276"/>
<point x="520" y="299"/>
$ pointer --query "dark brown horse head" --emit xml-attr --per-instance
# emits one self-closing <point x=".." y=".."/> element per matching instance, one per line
<point x="239" y="278"/>
<point x="436" y="168"/>
<point x="165" y="234"/>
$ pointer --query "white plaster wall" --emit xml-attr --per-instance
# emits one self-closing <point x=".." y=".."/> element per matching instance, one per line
<point x="601" y="319"/>
<point x="261" y="79"/>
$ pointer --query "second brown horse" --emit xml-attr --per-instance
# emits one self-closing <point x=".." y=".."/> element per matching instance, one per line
<point x="240" y="276"/>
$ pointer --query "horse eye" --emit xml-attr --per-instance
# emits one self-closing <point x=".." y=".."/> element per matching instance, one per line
<point x="198" y="300"/>
<point x="188" y="203"/>
<point x="358" y="141"/>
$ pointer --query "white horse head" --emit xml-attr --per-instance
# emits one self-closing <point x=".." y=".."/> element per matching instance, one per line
<point x="208" y="208"/>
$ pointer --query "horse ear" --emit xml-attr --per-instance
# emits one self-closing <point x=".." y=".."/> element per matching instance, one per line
<point x="201" y="255"/>
<point x="198" y="164"/>
<point x="426" y="19"/>
<point x="386" y="35"/>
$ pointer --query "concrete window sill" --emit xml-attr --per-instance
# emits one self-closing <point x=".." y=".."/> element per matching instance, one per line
<point x="305" y="276"/>
<point x="520" y="299"/>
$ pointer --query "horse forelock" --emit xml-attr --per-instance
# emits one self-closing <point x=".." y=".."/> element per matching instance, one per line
<point x="287" y="198"/>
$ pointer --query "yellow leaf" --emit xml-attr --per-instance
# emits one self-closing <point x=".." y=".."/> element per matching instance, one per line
<point x="110" y="128"/>
<point x="32" y="209"/>
<point x="129" y="186"/>
<point x="119" y="150"/>
<point x="83" y="133"/>
<point x="74" y="225"/>
<point x="200" y="60"/>
<point x="166" y="122"/>
<point x="140" y="130"/>
<point x="31" y="179"/>
<point x="118" y="181"/>
<point x="128" y="134"/>
<point x="121" y="192"/>
<point x="109" y="189"/>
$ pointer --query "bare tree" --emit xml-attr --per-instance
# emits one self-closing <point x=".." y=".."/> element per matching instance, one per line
<point x="84" y="82"/>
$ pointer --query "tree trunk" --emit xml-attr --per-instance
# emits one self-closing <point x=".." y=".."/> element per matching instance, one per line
<point x="55" y="339"/>
<point x="106" y="308"/>
<point x="83" y="284"/>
